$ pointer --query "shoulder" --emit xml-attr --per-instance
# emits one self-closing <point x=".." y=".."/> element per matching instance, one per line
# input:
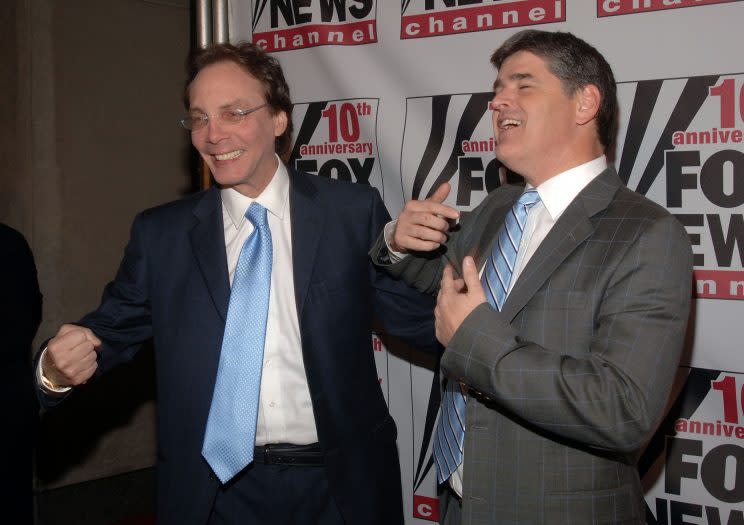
<point x="187" y="206"/>
<point x="632" y="216"/>
<point x="630" y="207"/>
<point x="611" y="203"/>
<point x="341" y="198"/>
<point x="608" y="196"/>
<point x="14" y="249"/>
<point x="330" y="188"/>
<point x="342" y="203"/>
<point x="11" y="238"/>
<point x="631" y="203"/>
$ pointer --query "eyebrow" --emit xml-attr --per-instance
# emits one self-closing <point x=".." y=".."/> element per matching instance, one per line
<point x="514" y="77"/>
<point x="237" y="103"/>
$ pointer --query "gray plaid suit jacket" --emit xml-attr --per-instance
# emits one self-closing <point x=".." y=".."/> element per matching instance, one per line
<point x="571" y="378"/>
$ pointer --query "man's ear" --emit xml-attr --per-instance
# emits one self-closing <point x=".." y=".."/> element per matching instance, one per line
<point x="589" y="99"/>
<point x="280" y="123"/>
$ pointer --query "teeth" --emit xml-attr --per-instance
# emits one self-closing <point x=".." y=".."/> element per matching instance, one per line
<point x="230" y="155"/>
<point x="508" y="123"/>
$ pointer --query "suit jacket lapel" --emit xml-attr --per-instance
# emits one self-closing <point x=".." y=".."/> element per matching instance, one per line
<point x="485" y="237"/>
<point x="208" y="245"/>
<point x="307" y="216"/>
<point x="573" y="227"/>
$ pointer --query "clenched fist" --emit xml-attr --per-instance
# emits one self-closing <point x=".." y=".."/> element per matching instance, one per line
<point x="70" y="357"/>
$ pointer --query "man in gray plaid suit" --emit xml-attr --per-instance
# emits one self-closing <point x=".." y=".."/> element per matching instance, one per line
<point x="567" y="377"/>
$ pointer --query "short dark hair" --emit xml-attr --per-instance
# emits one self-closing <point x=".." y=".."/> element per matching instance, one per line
<point x="577" y="64"/>
<point x="257" y="63"/>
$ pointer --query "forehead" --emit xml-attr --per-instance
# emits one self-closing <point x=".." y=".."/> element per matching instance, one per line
<point x="523" y="64"/>
<point x="224" y="83"/>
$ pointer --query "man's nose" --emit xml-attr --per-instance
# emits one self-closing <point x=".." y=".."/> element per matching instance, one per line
<point x="499" y="101"/>
<point x="215" y="130"/>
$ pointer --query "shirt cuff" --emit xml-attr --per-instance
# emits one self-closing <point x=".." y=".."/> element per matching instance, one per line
<point x="388" y="232"/>
<point x="44" y="383"/>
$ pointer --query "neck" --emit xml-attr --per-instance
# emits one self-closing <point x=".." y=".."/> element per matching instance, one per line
<point x="575" y="157"/>
<point x="260" y="180"/>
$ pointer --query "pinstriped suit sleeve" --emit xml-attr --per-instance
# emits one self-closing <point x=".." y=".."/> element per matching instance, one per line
<point x="593" y="354"/>
<point x="423" y="270"/>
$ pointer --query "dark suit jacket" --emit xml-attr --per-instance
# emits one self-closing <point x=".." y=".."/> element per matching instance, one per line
<point x="20" y="314"/>
<point x="173" y="286"/>
<point x="570" y="379"/>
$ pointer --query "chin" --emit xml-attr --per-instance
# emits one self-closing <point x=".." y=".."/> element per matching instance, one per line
<point x="229" y="175"/>
<point x="512" y="163"/>
<point x="502" y="154"/>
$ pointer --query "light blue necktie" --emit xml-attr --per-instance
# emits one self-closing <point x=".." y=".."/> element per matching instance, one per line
<point x="496" y="277"/>
<point x="231" y="427"/>
<point x="497" y="274"/>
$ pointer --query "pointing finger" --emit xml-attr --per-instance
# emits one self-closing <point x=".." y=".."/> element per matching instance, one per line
<point x="437" y="198"/>
<point x="441" y="194"/>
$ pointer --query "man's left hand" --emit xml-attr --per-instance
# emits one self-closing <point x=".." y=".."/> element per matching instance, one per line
<point x="457" y="298"/>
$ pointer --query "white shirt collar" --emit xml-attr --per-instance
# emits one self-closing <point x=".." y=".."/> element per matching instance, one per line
<point x="274" y="197"/>
<point x="559" y="191"/>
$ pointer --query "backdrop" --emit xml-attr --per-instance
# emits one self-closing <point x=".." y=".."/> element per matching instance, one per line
<point x="394" y="94"/>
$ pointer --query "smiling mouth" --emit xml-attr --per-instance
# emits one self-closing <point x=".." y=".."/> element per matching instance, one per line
<point x="229" y="155"/>
<point x="509" y="123"/>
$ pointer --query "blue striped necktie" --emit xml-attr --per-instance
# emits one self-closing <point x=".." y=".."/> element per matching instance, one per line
<point x="231" y="427"/>
<point x="496" y="278"/>
<point x="497" y="274"/>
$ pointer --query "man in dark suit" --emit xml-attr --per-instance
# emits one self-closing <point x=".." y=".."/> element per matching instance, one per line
<point x="20" y="314"/>
<point x="562" y="305"/>
<point x="325" y="444"/>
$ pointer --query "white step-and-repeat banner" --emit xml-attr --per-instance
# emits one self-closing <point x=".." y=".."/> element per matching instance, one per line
<point x="394" y="94"/>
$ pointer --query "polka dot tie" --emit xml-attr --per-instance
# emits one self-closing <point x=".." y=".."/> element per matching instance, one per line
<point x="496" y="278"/>
<point x="231" y="427"/>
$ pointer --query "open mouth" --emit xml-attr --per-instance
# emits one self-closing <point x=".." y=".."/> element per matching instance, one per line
<point x="229" y="155"/>
<point x="509" y="123"/>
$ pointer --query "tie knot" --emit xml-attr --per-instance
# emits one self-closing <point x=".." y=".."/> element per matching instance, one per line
<point x="528" y="199"/>
<point x="256" y="214"/>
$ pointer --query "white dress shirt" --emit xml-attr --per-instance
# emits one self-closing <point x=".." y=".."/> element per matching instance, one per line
<point x="285" y="413"/>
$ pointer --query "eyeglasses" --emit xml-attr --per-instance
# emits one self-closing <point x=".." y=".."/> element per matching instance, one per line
<point x="230" y="117"/>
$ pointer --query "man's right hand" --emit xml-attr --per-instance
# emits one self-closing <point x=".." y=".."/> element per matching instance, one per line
<point x="70" y="357"/>
<point x="423" y="225"/>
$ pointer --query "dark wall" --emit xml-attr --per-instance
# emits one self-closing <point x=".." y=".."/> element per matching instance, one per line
<point x="90" y="94"/>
